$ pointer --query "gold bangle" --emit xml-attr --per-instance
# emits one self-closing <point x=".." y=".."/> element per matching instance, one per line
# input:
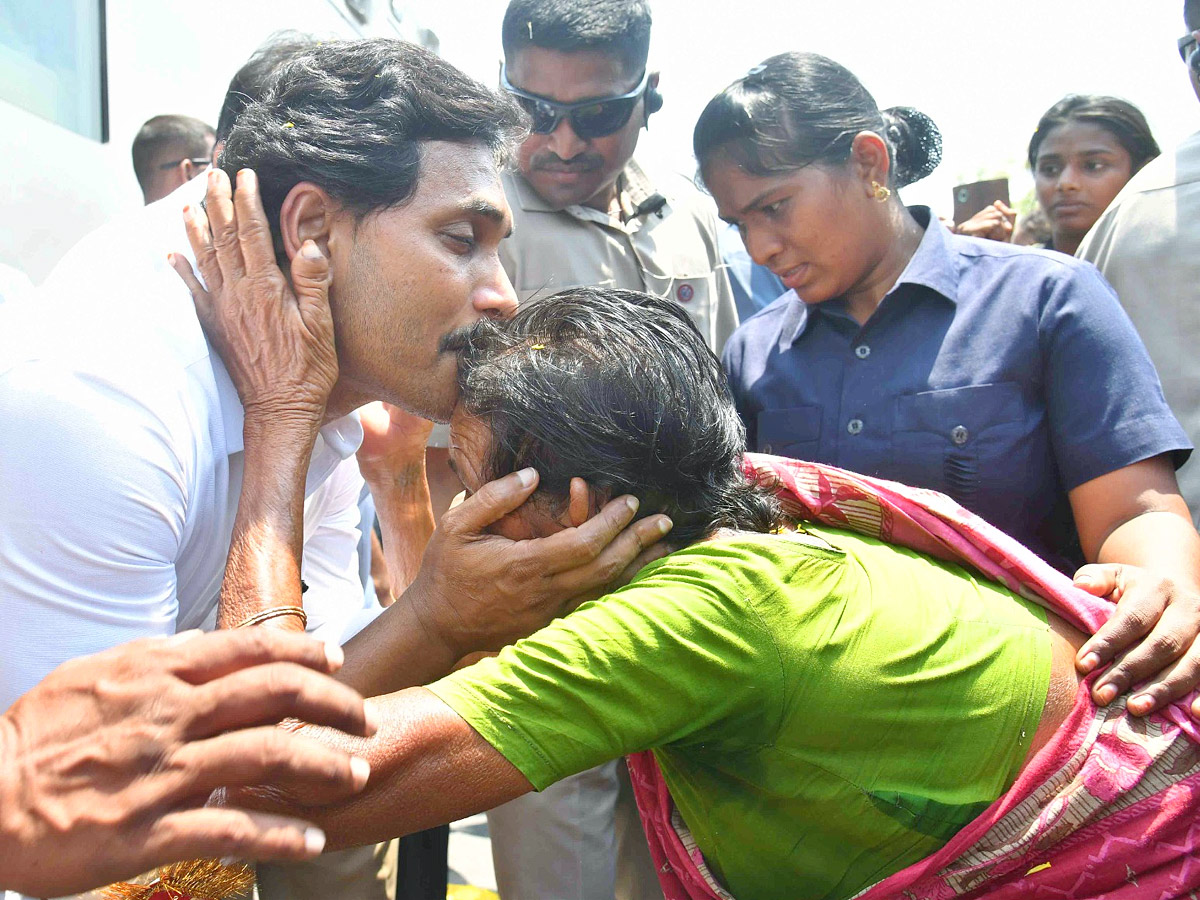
<point x="275" y="613"/>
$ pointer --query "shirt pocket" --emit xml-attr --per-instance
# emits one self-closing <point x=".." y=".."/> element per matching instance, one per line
<point x="691" y="286"/>
<point x="794" y="432"/>
<point x="966" y="442"/>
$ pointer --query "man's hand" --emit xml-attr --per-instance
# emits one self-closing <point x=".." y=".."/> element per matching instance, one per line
<point x="275" y="337"/>
<point x="1155" y="626"/>
<point x="995" y="223"/>
<point x="479" y="591"/>
<point x="107" y="763"/>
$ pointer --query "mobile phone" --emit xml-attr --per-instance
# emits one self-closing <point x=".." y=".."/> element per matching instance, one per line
<point x="971" y="198"/>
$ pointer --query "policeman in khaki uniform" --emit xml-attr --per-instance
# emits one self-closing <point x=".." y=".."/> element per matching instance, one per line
<point x="663" y="241"/>
<point x="585" y="214"/>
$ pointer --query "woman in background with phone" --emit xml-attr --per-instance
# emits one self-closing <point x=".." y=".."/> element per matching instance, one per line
<point x="1008" y="378"/>
<point x="1083" y="152"/>
<point x="1085" y="149"/>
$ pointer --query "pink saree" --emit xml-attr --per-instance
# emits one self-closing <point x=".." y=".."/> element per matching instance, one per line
<point x="1109" y="808"/>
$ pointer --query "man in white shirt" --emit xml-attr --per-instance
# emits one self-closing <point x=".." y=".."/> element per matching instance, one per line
<point x="125" y="446"/>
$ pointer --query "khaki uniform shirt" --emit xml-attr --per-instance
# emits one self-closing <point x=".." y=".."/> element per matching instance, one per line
<point x="665" y="243"/>
<point x="1147" y="244"/>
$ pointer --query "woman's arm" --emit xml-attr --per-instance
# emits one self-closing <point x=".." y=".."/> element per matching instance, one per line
<point x="1135" y="517"/>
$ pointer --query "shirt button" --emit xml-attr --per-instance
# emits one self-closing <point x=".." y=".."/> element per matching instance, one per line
<point x="959" y="435"/>
<point x="862" y="351"/>
<point x="854" y="426"/>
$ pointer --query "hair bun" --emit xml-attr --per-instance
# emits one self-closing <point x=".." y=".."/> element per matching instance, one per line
<point x="916" y="143"/>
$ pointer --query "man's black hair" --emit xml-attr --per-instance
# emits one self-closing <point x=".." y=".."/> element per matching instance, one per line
<point x="617" y="27"/>
<point x="1191" y="14"/>
<point x="353" y="116"/>
<point x="619" y="388"/>
<point x="251" y="80"/>
<point x="183" y="136"/>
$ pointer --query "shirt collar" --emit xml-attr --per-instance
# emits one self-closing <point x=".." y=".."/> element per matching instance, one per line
<point x="934" y="265"/>
<point x="341" y="437"/>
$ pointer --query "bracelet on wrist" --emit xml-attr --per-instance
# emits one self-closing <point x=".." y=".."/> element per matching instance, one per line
<point x="275" y="613"/>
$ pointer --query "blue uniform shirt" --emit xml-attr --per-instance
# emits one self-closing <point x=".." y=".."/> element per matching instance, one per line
<point x="1003" y="376"/>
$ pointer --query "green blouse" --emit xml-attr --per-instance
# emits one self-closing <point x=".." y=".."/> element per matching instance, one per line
<point x="826" y="708"/>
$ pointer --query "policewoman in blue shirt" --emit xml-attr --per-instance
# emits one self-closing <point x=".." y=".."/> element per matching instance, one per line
<point x="1006" y="377"/>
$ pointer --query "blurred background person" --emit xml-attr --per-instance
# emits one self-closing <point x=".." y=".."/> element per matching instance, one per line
<point x="1147" y="244"/>
<point x="1085" y="149"/>
<point x="170" y="151"/>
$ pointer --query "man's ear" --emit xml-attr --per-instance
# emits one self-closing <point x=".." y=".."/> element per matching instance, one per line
<point x="306" y="215"/>
<point x="652" y="100"/>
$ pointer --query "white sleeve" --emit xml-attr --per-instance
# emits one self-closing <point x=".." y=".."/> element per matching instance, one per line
<point x="335" y="601"/>
<point x="92" y="510"/>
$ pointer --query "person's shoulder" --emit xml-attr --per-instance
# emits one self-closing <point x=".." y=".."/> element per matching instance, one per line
<point x="1176" y="168"/>
<point x="1029" y="264"/>
<point x="113" y="327"/>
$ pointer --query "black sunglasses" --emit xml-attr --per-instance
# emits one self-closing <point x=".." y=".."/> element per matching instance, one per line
<point x="589" y="118"/>
<point x="1186" y="45"/>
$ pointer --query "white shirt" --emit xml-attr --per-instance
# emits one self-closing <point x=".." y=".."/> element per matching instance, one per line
<point x="13" y="283"/>
<point x="121" y="461"/>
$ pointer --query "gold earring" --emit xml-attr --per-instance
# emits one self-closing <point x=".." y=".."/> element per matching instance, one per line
<point x="882" y="192"/>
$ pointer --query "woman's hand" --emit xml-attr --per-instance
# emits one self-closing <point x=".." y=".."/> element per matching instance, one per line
<point x="1156" y="624"/>
<point x="994" y="223"/>
<point x="479" y="591"/>
<point x="275" y="336"/>
<point x="108" y="761"/>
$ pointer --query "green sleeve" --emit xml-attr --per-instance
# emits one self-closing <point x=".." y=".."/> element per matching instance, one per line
<point x="658" y="662"/>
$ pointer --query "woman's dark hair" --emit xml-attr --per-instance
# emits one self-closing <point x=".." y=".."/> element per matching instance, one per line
<point x="797" y="109"/>
<point x="619" y="388"/>
<point x="1120" y="118"/>
<point x="352" y="117"/>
